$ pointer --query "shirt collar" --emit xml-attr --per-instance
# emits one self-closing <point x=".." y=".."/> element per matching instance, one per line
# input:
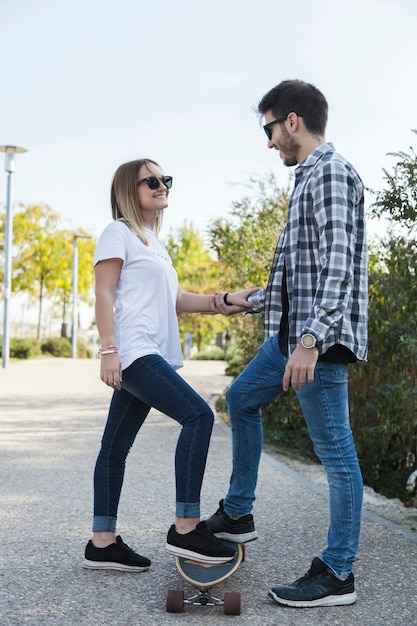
<point x="317" y="153"/>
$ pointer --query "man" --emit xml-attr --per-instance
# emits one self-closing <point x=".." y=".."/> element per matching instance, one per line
<point x="315" y="307"/>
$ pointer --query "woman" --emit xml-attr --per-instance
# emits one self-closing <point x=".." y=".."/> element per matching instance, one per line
<point x="137" y="297"/>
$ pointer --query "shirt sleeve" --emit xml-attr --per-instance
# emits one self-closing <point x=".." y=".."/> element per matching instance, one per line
<point x="258" y="298"/>
<point x="334" y="202"/>
<point x="112" y="243"/>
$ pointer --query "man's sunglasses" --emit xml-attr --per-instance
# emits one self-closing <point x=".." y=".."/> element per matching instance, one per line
<point x="154" y="183"/>
<point x="268" y="127"/>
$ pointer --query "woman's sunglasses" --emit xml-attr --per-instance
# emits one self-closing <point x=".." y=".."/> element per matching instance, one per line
<point x="154" y="183"/>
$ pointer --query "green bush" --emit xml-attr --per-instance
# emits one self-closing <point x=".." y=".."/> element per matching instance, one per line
<point x="62" y="347"/>
<point x="246" y="334"/>
<point x="82" y="351"/>
<point x="56" y="346"/>
<point x="24" y="348"/>
<point x="382" y="392"/>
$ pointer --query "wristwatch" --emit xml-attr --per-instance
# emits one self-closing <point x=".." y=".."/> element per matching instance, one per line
<point x="308" y="341"/>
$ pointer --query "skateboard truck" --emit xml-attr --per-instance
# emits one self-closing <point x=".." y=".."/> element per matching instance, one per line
<point x="204" y="598"/>
<point x="176" y="600"/>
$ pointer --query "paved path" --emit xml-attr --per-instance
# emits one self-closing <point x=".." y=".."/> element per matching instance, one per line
<point x="51" y="418"/>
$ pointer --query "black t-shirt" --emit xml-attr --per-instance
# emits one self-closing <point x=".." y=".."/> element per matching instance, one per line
<point x="335" y="354"/>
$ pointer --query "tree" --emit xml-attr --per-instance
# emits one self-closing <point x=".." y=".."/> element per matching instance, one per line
<point x="61" y="294"/>
<point x="244" y="243"/>
<point x="384" y="406"/>
<point x="384" y="403"/>
<point x="42" y="258"/>
<point x="398" y="201"/>
<point x="197" y="272"/>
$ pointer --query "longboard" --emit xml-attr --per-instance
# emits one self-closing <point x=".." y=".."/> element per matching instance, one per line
<point x="204" y="576"/>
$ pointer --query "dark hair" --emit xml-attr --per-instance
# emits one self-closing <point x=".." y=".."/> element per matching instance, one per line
<point x="299" y="97"/>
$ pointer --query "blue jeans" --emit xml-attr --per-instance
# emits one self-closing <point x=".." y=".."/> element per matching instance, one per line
<point x="151" y="382"/>
<point x="324" y="403"/>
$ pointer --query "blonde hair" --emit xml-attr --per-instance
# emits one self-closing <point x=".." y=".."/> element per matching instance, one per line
<point x="124" y="198"/>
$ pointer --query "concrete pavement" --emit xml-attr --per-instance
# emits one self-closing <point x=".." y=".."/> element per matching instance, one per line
<point x="52" y="412"/>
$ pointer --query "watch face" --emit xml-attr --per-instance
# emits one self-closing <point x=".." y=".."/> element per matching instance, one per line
<point x="308" y="341"/>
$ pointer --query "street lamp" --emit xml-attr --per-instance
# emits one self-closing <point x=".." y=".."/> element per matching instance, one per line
<point x="9" y="167"/>
<point x="75" y="290"/>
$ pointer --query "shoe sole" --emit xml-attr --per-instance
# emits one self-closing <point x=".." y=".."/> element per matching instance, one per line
<point x="110" y="565"/>
<point x="201" y="558"/>
<point x="347" y="598"/>
<point x="242" y="538"/>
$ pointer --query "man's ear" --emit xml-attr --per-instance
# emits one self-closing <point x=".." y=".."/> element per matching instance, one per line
<point x="294" y="121"/>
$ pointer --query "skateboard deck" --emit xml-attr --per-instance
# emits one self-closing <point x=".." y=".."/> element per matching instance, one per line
<point x="204" y="576"/>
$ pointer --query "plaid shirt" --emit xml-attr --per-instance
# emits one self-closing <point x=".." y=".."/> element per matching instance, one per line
<point x="323" y="247"/>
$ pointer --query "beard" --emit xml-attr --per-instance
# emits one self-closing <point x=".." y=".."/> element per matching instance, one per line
<point x="288" y="148"/>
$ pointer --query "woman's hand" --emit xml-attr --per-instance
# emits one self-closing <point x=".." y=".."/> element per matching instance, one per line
<point x="236" y="302"/>
<point x="111" y="370"/>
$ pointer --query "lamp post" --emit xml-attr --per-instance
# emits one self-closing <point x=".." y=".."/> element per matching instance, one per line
<point x="75" y="290"/>
<point x="9" y="167"/>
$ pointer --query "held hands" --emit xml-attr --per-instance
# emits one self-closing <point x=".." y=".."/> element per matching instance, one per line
<point x="236" y="302"/>
<point x="300" y="368"/>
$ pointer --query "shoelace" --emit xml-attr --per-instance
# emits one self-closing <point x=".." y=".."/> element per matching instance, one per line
<point x="206" y="532"/>
<point x="312" y="572"/>
<point x="126" y="548"/>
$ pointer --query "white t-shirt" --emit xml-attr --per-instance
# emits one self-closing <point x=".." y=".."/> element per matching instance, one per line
<point x="145" y="319"/>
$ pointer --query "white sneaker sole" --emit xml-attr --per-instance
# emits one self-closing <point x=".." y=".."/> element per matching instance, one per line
<point x="110" y="565"/>
<point x="201" y="558"/>
<point x="243" y="538"/>
<point x="347" y="598"/>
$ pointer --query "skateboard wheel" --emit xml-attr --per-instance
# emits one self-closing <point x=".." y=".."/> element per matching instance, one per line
<point x="174" y="601"/>
<point x="232" y="603"/>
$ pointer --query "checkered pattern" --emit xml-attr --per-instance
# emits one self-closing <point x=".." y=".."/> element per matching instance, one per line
<point x="323" y="247"/>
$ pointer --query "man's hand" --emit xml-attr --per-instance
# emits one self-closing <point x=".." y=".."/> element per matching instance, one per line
<point x="236" y="302"/>
<point x="300" y="368"/>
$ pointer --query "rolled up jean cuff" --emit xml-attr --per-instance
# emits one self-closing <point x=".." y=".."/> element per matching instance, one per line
<point x="104" y="524"/>
<point x="187" y="509"/>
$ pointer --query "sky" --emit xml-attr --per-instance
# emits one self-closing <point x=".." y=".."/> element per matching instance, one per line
<point x="86" y="85"/>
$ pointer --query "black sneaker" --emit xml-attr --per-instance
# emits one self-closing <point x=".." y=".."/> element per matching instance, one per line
<point x="200" y="544"/>
<point x="117" y="556"/>
<point x="240" y="530"/>
<point x="319" y="587"/>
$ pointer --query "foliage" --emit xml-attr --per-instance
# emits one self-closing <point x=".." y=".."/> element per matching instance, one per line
<point x="56" y="346"/>
<point x="244" y="243"/>
<point x="42" y="258"/>
<point x="246" y="334"/>
<point x="383" y="398"/>
<point x="82" y="351"/>
<point x="24" y="348"/>
<point x="53" y="346"/>
<point x="61" y="293"/>
<point x="197" y="272"/>
<point x="399" y="200"/>
<point x="383" y="402"/>
<point x="62" y="347"/>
